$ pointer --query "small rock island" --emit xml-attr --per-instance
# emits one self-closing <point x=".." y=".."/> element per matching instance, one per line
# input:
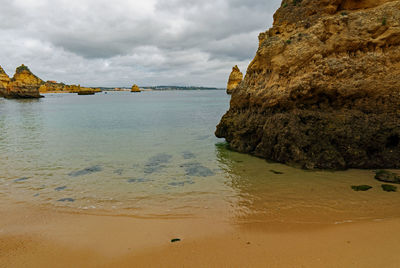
<point x="135" y="89"/>
<point x="323" y="90"/>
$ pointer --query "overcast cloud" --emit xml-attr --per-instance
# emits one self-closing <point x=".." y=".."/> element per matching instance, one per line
<point x="120" y="42"/>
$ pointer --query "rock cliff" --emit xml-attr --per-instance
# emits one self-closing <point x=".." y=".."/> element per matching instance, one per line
<point x="234" y="79"/>
<point x="4" y="81"/>
<point x="24" y="84"/>
<point x="323" y="90"/>
<point x="51" y="86"/>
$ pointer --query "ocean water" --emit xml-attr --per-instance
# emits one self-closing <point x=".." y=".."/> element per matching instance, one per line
<point x="154" y="154"/>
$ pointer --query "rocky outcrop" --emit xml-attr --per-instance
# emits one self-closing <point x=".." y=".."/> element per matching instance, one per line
<point x="82" y="90"/>
<point x="234" y="79"/>
<point x="54" y="87"/>
<point x="24" y="84"/>
<point x="323" y="90"/>
<point x="135" y="88"/>
<point x="4" y="81"/>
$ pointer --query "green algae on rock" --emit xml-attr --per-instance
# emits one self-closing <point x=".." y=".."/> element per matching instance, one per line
<point x="361" y="188"/>
<point x="386" y="176"/>
<point x="389" y="188"/>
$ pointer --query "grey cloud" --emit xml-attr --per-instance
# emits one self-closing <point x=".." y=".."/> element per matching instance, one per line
<point x="113" y="43"/>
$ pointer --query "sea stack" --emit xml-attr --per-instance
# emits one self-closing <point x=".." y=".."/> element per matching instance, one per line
<point x="323" y="90"/>
<point x="234" y="79"/>
<point x="135" y="88"/>
<point x="24" y="84"/>
<point x="4" y="81"/>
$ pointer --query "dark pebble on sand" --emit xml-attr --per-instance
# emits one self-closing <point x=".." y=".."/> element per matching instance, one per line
<point x="175" y="240"/>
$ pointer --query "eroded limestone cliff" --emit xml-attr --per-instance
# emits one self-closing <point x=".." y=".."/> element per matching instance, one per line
<point x="4" y="81"/>
<point x="235" y="78"/>
<point x="24" y="84"/>
<point x="323" y="90"/>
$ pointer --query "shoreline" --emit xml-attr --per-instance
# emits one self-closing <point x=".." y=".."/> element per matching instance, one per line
<point x="42" y="237"/>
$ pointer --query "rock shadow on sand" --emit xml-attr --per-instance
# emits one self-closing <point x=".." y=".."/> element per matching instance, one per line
<point x="60" y="188"/>
<point x="157" y="163"/>
<point x="180" y="183"/>
<point x="86" y="171"/>
<point x="138" y="180"/>
<point x="66" y="200"/>
<point x="198" y="170"/>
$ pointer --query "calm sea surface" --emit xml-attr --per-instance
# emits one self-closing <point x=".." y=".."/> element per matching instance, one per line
<point x="154" y="154"/>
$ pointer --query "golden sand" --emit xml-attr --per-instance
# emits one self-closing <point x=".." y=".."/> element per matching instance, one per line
<point x="43" y="237"/>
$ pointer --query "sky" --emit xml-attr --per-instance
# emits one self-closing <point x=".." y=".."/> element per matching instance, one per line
<point x="116" y="43"/>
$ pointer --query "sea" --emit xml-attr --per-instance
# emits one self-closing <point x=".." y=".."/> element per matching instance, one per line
<point x="154" y="155"/>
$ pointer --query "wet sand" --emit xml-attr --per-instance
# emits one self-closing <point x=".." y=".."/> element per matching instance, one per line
<point x="44" y="237"/>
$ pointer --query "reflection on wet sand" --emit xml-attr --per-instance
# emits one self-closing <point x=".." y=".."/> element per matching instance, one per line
<point x="271" y="192"/>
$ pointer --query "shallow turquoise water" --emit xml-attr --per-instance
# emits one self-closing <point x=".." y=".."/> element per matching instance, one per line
<point x="155" y="154"/>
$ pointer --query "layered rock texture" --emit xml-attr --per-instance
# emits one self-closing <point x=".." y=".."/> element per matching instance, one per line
<point x="54" y="87"/>
<point x="4" y="81"/>
<point x="135" y="88"/>
<point x="24" y="84"/>
<point x="323" y="90"/>
<point x="235" y="78"/>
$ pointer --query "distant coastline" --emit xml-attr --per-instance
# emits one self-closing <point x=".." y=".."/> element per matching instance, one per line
<point x="160" y="88"/>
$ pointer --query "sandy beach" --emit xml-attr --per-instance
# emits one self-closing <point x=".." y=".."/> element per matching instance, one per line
<point x="267" y="134"/>
<point x="44" y="237"/>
